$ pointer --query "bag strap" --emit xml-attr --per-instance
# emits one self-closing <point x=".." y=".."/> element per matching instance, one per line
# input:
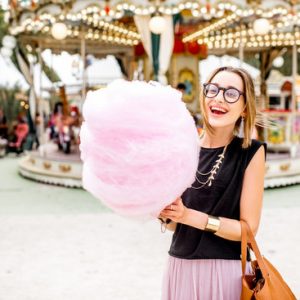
<point x="244" y="246"/>
<point x="248" y="239"/>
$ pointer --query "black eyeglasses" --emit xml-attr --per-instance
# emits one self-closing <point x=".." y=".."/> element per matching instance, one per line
<point x="230" y="95"/>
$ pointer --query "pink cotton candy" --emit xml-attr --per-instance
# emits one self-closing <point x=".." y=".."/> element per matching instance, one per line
<point x="139" y="147"/>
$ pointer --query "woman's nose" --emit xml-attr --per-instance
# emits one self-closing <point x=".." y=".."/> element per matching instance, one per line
<point x="220" y="96"/>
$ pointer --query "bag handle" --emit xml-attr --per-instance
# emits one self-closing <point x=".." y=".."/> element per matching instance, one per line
<point x="248" y="239"/>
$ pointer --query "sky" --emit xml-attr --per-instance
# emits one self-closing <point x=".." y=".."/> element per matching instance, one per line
<point x="9" y="75"/>
<point x="212" y="62"/>
<point x="69" y="67"/>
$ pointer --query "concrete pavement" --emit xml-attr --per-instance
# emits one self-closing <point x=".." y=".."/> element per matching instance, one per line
<point x="62" y="244"/>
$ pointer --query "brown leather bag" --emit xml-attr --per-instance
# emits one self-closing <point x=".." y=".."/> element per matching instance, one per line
<point x="265" y="283"/>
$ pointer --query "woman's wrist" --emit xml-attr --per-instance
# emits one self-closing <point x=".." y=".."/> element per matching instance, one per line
<point x="213" y="224"/>
<point x="196" y="219"/>
<point x="164" y="220"/>
<point x="186" y="216"/>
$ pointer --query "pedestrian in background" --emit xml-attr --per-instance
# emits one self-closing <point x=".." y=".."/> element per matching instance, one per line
<point x="3" y="125"/>
<point x="181" y="87"/>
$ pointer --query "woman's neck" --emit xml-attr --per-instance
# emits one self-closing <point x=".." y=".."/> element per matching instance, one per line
<point x="219" y="139"/>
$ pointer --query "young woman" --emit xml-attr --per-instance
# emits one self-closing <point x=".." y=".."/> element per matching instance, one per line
<point x="204" y="262"/>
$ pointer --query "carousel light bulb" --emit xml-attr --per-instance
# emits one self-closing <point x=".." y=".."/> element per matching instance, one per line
<point x="59" y="31"/>
<point x="6" y="52"/>
<point x="157" y="24"/>
<point x="188" y="5"/>
<point x="9" y="41"/>
<point x="181" y="6"/>
<point x="261" y="26"/>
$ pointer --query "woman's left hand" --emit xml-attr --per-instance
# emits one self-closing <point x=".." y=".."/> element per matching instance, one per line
<point x="176" y="211"/>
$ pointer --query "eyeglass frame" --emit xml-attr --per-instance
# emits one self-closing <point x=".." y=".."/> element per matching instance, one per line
<point x="224" y="91"/>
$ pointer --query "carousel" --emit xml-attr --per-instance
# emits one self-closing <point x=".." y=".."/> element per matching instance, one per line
<point x="163" y="41"/>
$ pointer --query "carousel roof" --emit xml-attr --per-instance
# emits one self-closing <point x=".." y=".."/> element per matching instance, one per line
<point x="218" y="24"/>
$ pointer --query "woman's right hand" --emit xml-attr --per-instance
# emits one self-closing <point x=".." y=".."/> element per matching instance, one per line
<point x="176" y="211"/>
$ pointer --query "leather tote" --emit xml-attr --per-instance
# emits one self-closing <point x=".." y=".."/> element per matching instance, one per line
<point x="265" y="283"/>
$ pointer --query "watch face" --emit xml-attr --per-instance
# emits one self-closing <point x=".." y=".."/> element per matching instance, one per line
<point x="187" y="77"/>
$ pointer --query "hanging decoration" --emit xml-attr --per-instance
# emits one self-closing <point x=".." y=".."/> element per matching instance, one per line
<point x="139" y="49"/>
<point x="179" y="46"/>
<point x="157" y="24"/>
<point x="193" y="47"/>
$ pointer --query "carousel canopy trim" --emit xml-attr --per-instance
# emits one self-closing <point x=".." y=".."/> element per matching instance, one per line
<point x="218" y="24"/>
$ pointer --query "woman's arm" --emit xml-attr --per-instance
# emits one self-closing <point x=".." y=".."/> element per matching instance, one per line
<point x="250" y="204"/>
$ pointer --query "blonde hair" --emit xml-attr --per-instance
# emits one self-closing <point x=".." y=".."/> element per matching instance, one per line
<point x="250" y="105"/>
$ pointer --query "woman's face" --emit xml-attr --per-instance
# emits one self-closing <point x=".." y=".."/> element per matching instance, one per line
<point x="219" y="112"/>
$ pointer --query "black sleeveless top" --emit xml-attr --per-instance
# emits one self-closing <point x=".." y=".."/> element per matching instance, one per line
<point x="222" y="199"/>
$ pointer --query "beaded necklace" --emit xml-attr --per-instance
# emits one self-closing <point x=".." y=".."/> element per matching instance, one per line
<point x="211" y="174"/>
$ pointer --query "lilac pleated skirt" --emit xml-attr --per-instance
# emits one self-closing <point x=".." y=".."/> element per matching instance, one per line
<point x="203" y="279"/>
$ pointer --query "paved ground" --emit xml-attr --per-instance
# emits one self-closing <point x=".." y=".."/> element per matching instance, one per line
<point x="62" y="244"/>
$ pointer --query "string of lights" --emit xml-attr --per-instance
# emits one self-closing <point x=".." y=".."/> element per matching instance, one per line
<point x="99" y="21"/>
<point x="88" y="24"/>
<point x="238" y="14"/>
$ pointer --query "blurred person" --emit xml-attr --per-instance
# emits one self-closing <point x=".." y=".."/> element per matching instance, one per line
<point x="3" y="125"/>
<point x="55" y="120"/>
<point x="76" y="123"/>
<point x="37" y="130"/>
<point x="181" y="87"/>
<point x="21" y="130"/>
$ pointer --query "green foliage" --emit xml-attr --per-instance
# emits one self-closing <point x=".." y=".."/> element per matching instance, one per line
<point x="287" y="68"/>
<point x="50" y="73"/>
<point x="3" y="25"/>
<point x="10" y="105"/>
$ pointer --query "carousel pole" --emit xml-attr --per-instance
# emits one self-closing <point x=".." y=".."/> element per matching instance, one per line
<point x="241" y="53"/>
<point x="294" y="76"/>
<point x="40" y="110"/>
<point x="294" y="145"/>
<point x="83" y="54"/>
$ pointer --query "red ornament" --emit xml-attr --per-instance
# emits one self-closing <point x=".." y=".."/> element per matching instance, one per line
<point x="287" y="87"/>
<point x="13" y="3"/>
<point x="139" y="49"/>
<point x="179" y="46"/>
<point x="208" y="6"/>
<point x="107" y="9"/>
<point x="203" y="52"/>
<point x="193" y="47"/>
<point x="33" y="4"/>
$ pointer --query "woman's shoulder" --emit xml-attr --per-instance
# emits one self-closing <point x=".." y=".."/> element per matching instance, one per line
<point x="250" y="151"/>
<point x="253" y="148"/>
<point x="257" y="144"/>
<point x="254" y="144"/>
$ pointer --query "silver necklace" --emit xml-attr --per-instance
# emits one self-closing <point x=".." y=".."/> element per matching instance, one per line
<point x="211" y="174"/>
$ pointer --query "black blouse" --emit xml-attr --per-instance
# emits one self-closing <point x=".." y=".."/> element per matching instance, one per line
<point x="222" y="199"/>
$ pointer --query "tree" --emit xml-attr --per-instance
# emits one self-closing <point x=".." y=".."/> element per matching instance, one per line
<point x="10" y="104"/>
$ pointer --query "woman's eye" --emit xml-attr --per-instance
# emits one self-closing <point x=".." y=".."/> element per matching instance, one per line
<point x="231" y="94"/>
<point x="212" y="90"/>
